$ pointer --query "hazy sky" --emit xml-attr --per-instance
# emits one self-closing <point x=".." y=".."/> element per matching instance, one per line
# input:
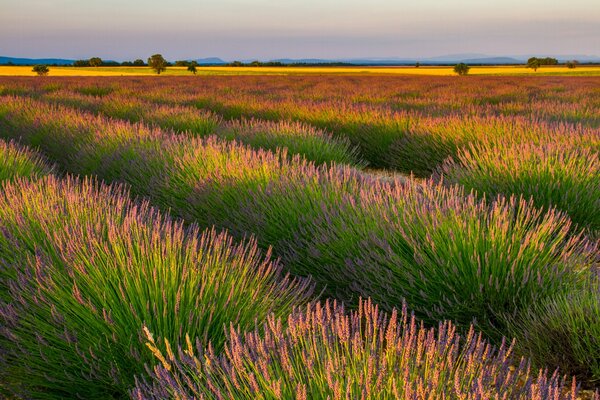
<point x="264" y="29"/>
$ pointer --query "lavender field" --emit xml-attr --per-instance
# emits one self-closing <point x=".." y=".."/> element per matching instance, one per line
<point x="300" y="237"/>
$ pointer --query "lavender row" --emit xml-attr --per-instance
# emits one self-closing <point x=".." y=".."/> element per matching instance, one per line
<point x="83" y="269"/>
<point x="322" y="352"/>
<point x="562" y="173"/>
<point x="18" y="161"/>
<point x="448" y="254"/>
<point x="411" y="125"/>
<point x="297" y="138"/>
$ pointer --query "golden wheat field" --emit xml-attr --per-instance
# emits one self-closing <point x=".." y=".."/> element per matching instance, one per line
<point x="384" y="70"/>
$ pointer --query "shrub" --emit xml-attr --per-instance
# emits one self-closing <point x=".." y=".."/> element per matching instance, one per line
<point x="18" y="161"/>
<point x="561" y="175"/>
<point x="83" y="269"/>
<point x="324" y="353"/>
<point x="564" y="332"/>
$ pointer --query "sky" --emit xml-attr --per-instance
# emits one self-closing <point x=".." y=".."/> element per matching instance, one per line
<point x="267" y="29"/>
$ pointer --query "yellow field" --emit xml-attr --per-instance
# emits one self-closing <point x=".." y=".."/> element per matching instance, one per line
<point x="440" y="71"/>
<point x="57" y="71"/>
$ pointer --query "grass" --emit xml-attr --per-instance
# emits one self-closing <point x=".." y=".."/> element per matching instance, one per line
<point x="202" y="71"/>
<point x="323" y="352"/>
<point x="84" y="269"/>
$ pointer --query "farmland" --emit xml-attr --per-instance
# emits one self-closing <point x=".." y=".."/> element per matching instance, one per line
<point x="362" y="234"/>
<point x="584" y="70"/>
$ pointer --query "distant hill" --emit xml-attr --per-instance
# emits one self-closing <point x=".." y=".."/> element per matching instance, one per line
<point x="492" y="60"/>
<point x="210" y="61"/>
<point x="34" y="61"/>
<point x="442" y="60"/>
<point x="454" y="58"/>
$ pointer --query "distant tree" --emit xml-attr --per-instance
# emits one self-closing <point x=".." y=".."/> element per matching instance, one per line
<point x="95" y="62"/>
<point x="533" y="63"/>
<point x="461" y="69"/>
<point x="157" y="63"/>
<point x="192" y="67"/>
<point x="139" y="63"/>
<point x="41" y="70"/>
<point x="417" y="65"/>
<point x="255" y="63"/>
<point x="571" y="64"/>
<point x="548" y="61"/>
<point x="126" y="64"/>
<point x="182" y="63"/>
<point x="236" y="64"/>
<point x="81" y="63"/>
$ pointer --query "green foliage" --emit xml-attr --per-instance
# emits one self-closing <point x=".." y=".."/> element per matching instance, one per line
<point x="542" y="61"/>
<point x="157" y="63"/>
<point x="41" y="70"/>
<point x="564" y="332"/>
<point x="572" y="64"/>
<point x="461" y="69"/>
<point x="533" y="63"/>
<point x="192" y="67"/>
<point x="95" y="62"/>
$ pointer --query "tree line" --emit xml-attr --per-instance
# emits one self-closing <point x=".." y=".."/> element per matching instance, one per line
<point x="159" y="64"/>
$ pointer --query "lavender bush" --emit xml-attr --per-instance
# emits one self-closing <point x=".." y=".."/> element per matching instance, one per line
<point x="324" y="353"/>
<point x="563" y="174"/>
<point x="564" y="332"/>
<point x="18" y="161"/>
<point x="302" y="139"/>
<point x="83" y="268"/>
<point x="355" y="234"/>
